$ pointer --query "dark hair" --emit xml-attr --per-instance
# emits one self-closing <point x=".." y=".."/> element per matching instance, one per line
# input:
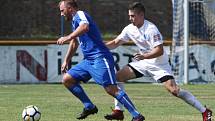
<point x="137" y="6"/>
<point x="70" y="3"/>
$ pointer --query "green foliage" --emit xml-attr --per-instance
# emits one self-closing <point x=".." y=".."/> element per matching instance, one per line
<point x="57" y="104"/>
<point x="105" y="36"/>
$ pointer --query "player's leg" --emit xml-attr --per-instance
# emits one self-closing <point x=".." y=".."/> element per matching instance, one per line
<point x="72" y="83"/>
<point x="123" y="98"/>
<point x="126" y="73"/>
<point x="123" y="75"/>
<point x="185" y="95"/>
<point x="103" y="73"/>
<point x="118" y="105"/>
<point x="117" y="112"/>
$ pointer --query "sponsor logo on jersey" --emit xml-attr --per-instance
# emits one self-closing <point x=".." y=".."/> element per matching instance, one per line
<point x="157" y="37"/>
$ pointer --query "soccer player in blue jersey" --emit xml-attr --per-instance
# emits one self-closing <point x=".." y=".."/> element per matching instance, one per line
<point x="98" y="62"/>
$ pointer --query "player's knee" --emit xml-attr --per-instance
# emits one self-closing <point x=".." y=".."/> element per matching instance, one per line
<point x="174" y="92"/>
<point x="111" y="90"/>
<point x="66" y="81"/>
<point x="119" y="78"/>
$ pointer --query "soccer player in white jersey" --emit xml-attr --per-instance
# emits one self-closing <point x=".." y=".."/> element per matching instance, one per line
<point x="98" y="62"/>
<point x="150" y="61"/>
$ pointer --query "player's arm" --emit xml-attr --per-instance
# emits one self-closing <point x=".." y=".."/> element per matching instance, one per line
<point x="114" y="43"/>
<point x="82" y="28"/>
<point x="73" y="45"/>
<point x="119" y="40"/>
<point x="154" y="53"/>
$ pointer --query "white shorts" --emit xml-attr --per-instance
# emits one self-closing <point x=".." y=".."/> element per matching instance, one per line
<point x="151" y="70"/>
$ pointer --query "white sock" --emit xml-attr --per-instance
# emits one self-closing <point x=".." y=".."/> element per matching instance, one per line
<point x="118" y="105"/>
<point x="190" y="99"/>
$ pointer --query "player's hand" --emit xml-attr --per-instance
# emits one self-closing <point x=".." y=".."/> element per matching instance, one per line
<point x="64" y="67"/>
<point x="62" y="40"/>
<point x="138" y="56"/>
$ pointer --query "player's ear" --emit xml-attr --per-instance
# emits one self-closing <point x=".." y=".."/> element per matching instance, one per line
<point x="141" y="14"/>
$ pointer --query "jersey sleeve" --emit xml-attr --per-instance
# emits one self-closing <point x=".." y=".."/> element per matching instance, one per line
<point x="155" y="37"/>
<point x="123" y="36"/>
<point x="82" y="19"/>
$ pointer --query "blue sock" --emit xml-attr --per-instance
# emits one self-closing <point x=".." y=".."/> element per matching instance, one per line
<point x="78" y="91"/>
<point x="123" y="98"/>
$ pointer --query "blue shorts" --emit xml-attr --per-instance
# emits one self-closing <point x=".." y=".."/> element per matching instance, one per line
<point x="100" y="69"/>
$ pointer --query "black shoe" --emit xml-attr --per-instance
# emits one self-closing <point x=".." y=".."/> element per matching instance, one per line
<point x="87" y="112"/>
<point x="138" y="118"/>
<point x="115" y="115"/>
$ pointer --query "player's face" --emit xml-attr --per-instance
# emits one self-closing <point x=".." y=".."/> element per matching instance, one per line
<point x="66" y="11"/>
<point x="137" y="19"/>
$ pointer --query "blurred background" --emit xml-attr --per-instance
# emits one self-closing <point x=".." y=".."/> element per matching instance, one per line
<point x="40" y="19"/>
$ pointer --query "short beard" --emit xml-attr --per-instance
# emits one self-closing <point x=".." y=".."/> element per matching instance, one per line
<point x="67" y="18"/>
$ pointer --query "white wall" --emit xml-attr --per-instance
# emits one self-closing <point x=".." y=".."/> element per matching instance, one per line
<point x="40" y="64"/>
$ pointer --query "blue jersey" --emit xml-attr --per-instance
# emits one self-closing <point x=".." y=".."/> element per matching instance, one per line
<point x="91" y="41"/>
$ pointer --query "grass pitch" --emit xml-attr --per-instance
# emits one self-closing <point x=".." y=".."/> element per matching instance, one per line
<point x="57" y="104"/>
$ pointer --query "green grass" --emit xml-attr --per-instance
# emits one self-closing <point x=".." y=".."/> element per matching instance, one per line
<point x="57" y="104"/>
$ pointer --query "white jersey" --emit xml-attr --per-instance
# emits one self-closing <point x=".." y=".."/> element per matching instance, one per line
<point x="146" y="38"/>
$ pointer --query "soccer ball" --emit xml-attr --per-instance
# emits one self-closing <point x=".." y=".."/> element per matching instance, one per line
<point x="31" y="113"/>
